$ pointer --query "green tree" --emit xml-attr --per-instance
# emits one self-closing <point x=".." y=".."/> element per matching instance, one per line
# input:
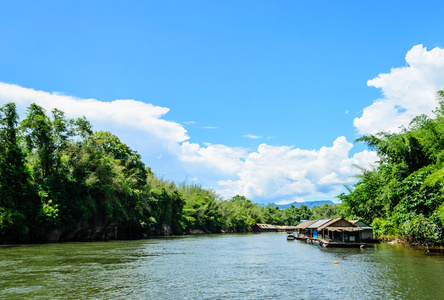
<point x="325" y="211"/>
<point x="16" y="197"/>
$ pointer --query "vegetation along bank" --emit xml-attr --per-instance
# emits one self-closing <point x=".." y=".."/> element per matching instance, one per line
<point x="61" y="181"/>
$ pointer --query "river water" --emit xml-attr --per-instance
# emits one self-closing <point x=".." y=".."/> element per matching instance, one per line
<point x="231" y="266"/>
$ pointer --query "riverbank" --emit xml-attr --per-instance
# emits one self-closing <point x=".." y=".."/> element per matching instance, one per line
<point x="111" y="233"/>
<point x="108" y="234"/>
<point x="400" y="241"/>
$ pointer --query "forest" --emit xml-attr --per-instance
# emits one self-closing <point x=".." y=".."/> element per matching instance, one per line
<point x="62" y="181"/>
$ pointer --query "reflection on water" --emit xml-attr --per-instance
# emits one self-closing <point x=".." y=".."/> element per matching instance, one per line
<point x="250" y="266"/>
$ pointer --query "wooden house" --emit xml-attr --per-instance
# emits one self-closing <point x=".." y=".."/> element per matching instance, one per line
<point x="367" y="232"/>
<point x="339" y="233"/>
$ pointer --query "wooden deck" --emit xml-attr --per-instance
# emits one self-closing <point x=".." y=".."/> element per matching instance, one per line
<point x="331" y="244"/>
<point x="325" y="243"/>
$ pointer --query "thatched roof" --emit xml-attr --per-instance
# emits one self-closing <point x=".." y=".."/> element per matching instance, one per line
<point x="305" y="224"/>
<point x="275" y="227"/>
<point x="340" y="224"/>
<point x="287" y="227"/>
<point x="340" y="229"/>
<point x="267" y="226"/>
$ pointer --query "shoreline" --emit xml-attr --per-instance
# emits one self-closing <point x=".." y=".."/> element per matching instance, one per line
<point x="197" y="232"/>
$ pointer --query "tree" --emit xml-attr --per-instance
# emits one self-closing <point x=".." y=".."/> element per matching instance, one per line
<point x="16" y="199"/>
<point x="37" y="131"/>
<point x="325" y="211"/>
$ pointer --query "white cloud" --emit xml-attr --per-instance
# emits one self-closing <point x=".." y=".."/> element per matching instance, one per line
<point x="284" y="202"/>
<point x="130" y="113"/>
<point x="284" y="172"/>
<point x="273" y="173"/>
<point x="252" y="136"/>
<point x="407" y="92"/>
<point x="328" y="179"/>
<point x="218" y="158"/>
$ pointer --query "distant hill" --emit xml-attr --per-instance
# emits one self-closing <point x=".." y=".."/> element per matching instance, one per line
<point x="310" y="204"/>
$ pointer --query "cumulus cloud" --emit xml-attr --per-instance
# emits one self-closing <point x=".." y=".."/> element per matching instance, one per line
<point x="283" y="172"/>
<point x="273" y="173"/>
<point x="163" y="144"/>
<point x="220" y="158"/>
<point x="130" y="113"/>
<point x="407" y="92"/>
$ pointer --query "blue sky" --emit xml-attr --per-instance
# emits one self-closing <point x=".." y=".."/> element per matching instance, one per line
<point x="260" y="98"/>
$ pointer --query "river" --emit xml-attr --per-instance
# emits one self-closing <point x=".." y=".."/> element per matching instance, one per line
<point x="229" y="266"/>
